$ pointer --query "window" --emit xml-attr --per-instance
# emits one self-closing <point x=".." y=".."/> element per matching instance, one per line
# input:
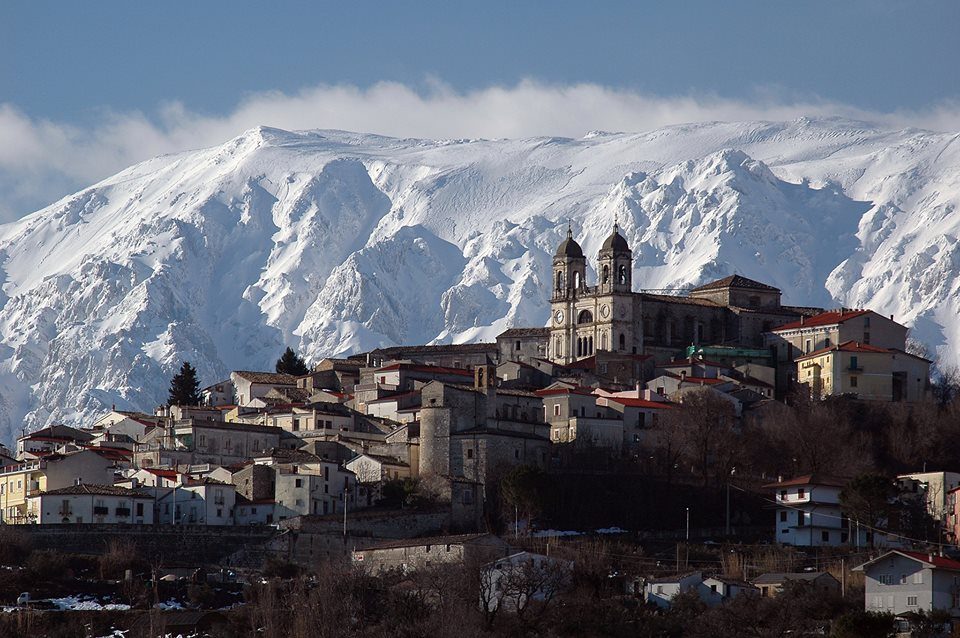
<point x="299" y="483"/>
<point x="806" y="348"/>
<point x="623" y="342"/>
<point x="866" y="337"/>
<point x="825" y="536"/>
<point x="516" y="454"/>
<point x="853" y="363"/>
<point x="556" y="409"/>
<point x="139" y="509"/>
<point x="826" y="342"/>
<point x="469" y="453"/>
<point x="903" y="579"/>
<point x="783" y="516"/>
<point x="783" y="495"/>
<point x="911" y="601"/>
<point x="887" y="579"/>
<point x="800" y="519"/>
<point x="801" y="493"/>
<point x="517" y="345"/>
<point x="853" y="382"/>
<point x="918" y="578"/>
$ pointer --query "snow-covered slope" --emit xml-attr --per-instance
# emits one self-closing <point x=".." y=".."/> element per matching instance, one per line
<point x="334" y="242"/>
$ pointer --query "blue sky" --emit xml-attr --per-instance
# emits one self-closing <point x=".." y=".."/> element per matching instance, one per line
<point x="115" y="82"/>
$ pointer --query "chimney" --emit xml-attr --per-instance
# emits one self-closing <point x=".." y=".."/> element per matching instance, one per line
<point x="801" y="320"/>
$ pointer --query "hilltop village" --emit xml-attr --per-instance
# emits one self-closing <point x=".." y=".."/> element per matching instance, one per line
<point x="653" y="420"/>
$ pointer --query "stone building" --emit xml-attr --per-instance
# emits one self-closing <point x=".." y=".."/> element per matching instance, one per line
<point x="523" y="344"/>
<point x="417" y="553"/>
<point x="462" y="355"/>
<point x="471" y="434"/>
<point x="824" y="331"/>
<point x="610" y="316"/>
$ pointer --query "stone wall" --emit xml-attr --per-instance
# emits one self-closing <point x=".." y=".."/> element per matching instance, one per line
<point x="190" y="545"/>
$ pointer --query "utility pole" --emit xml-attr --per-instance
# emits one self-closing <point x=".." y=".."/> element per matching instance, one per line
<point x="843" y="577"/>
<point x="688" y="524"/>
<point x="344" y="512"/>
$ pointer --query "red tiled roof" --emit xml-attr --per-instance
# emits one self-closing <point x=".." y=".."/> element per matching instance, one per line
<point x="810" y="479"/>
<point x="164" y="473"/>
<point x="937" y="561"/>
<point x="702" y="380"/>
<point x="823" y="319"/>
<point x="847" y="346"/>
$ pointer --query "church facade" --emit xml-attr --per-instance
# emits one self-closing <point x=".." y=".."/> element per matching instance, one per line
<point x="610" y="316"/>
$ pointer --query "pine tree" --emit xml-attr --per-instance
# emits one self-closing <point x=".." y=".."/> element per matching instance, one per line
<point x="185" y="387"/>
<point x="292" y="363"/>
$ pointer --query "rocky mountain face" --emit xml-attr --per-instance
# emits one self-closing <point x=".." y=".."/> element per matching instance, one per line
<point x="335" y="242"/>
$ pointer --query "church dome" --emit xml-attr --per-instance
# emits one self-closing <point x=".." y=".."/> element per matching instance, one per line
<point x="616" y="242"/>
<point x="569" y="247"/>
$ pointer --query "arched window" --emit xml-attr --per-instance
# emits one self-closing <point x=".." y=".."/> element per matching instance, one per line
<point x="480" y="377"/>
<point x="576" y="281"/>
<point x="559" y="280"/>
<point x="559" y="347"/>
<point x="585" y="316"/>
<point x="623" y="342"/>
<point x="590" y="344"/>
<point x="606" y="274"/>
<point x="579" y="347"/>
<point x="603" y="340"/>
<point x="622" y="274"/>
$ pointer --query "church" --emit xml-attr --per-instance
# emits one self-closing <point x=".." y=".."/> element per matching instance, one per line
<point x="732" y="312"/>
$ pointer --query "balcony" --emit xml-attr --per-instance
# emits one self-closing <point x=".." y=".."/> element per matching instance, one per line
<point x="65" y="512"/>
<point x="101" y="511"/>
<point x="122" y="512"/>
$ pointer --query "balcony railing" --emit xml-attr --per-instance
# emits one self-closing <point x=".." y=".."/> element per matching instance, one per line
<point x="101" y="511"/>
<point x="122" y="512"/>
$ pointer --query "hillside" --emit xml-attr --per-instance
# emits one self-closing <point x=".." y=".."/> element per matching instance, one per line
<point x="335" y="242"/>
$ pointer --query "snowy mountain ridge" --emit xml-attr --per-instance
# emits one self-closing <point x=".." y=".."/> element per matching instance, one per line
<point x="334" y="242"/>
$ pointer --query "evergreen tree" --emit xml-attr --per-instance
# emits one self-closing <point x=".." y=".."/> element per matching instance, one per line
<point x="185" y="387"/>
<point x="292" y="363"/>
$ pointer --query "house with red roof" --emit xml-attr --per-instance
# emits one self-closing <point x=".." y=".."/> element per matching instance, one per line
<point x="900" y="582"/>
<point x="575" y="415"/>
<point x="864" y="370"/>
<point x="826" y="330"/>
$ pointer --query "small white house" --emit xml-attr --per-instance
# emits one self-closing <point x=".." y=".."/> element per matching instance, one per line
<point x="808" y="514"/>
<point x="661" y="591"/>
<point x="259" y="512"/>
<point x="201" y="502"/>
<point x="510" y="583"/>
<point x="86" y="503"/>
<point x="899" y="582"/>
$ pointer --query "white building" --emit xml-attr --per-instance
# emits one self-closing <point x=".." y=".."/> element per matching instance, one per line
<point x="935" y="487"/>
<point x="808" y="513"/>
<point x="661" y="591"/>
<point x="86" y="503"/>
<point x="899" y="582"/>
<point x="510" y="583"/>
<point x="202" y="502"/>
<point x="249" y="385"/>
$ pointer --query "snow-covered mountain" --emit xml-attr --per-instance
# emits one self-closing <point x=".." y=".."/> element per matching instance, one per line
<point x="334" y="242"/>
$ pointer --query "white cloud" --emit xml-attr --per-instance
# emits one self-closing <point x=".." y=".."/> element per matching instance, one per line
<point x="41" y="160"/>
